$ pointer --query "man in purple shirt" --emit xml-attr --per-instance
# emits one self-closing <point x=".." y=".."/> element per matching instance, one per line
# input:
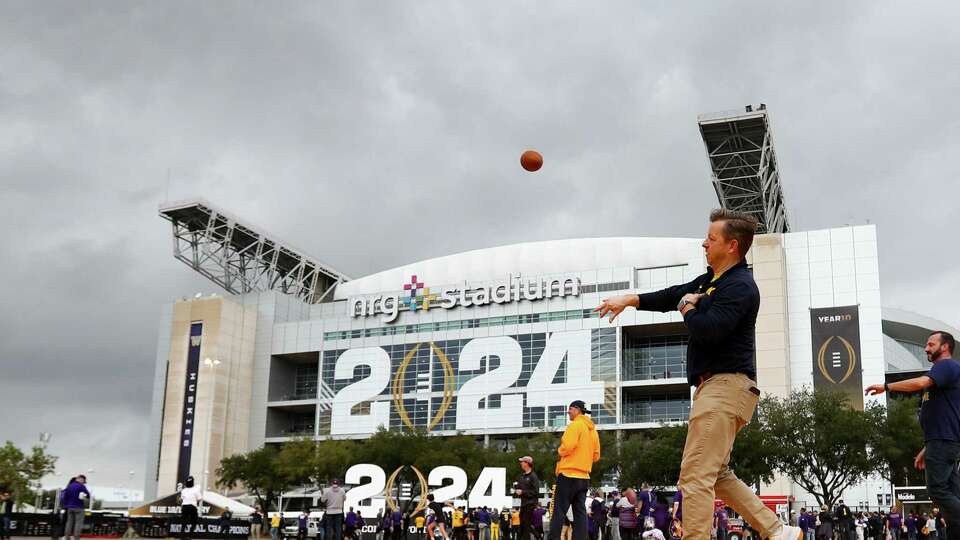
<point x="720" y="523"/>
<point x="911" y="522"/>
<point x="678" y="506"/>
<point x="350" y="524"/>
<point x="538" y="513"/>
<point x="807" y="524"/>
<point x="483" y="523"/>
<point x="397" y="531"/>
<point x="302" y="520"/>
<point x="894" y="522"/>
<point x="73" y="499"/>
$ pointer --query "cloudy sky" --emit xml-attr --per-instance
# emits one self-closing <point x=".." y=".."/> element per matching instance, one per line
<point x="378" y="133"/>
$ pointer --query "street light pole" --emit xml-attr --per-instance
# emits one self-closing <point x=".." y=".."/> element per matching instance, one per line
<point x="206" y="447"/>
<point x="44" y="440"/>
<point x="91" y="471"/>
<point x="129" y="493"/>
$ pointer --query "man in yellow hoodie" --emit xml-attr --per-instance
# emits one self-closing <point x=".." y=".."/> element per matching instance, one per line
<point x="579" y="450"/>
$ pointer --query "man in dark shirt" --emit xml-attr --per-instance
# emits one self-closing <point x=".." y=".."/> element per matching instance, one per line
<point x="527" y="488"/>
<point x="940" y="420"/>
<point x="505" y="528"/>
<point x="613" y="517"/>
<point x="646" y="500"/>
<point x="719" y="309"/>
<point x="844" y="520"/>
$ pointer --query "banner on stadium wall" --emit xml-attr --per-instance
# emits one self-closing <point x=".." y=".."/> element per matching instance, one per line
<point x="837" y="363"/>
<point x="187" y="422"/>
<point x="482" y="383"/>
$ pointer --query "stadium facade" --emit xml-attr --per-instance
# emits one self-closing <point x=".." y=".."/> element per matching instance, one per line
<point x="497" y="342"/>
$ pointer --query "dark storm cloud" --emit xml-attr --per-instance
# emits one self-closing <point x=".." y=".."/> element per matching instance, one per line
<point x="376" y="134"/>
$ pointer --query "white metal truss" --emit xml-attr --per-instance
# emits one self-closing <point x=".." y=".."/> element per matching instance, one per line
<point x="744" y="165"/>
<point x="241" y="258"/>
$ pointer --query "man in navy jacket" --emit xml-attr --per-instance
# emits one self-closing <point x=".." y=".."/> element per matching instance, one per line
<point x="720" y="310"/>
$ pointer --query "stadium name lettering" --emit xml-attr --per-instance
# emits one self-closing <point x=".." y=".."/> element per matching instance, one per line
<point x="506" y="291"/>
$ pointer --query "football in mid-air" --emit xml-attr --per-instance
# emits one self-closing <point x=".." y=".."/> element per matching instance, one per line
<point x="531" y="160"/>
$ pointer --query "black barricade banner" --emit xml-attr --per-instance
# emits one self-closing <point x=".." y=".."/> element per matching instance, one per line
<point x="189" y="402"/>
<point x="114" y="526"/>
<point x="836" y="351"/>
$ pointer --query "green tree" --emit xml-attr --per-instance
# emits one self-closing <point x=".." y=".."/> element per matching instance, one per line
<point x="463" y="451"/>
<point x="654" y="456"/>
<point x="753" y="456"/>
<point x="307" y="462"/>
<point x="19" y="472"/>
<point x="609" y="458"/>
<point x="392" y="449"/>
<point x="11" y="477"/>
<point x="542" y="447"/>
<point x="820" y="442"/>
<point x="898" y="441"/>
<point x="257" y="471"/>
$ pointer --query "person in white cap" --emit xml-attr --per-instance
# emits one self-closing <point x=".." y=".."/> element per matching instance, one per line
<point x="332" y="500"/>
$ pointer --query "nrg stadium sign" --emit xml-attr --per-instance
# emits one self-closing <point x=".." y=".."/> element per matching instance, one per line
<point x="417" y="296"/>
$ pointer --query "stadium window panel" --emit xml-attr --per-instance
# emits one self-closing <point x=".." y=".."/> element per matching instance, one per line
<point x="657" y="408"/>
<point x="305" y="382"/>
<point x="654" y="357"/>
<point x="324" y="421"/>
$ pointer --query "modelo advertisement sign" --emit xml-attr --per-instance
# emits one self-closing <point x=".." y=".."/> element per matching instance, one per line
<point x="483" y="383"/>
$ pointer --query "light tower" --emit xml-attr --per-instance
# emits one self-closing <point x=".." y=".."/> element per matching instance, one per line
<point x="743" y="163"/>
<point x="242" y="258"/>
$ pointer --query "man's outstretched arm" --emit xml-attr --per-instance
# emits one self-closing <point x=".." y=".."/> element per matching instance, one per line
<point x="908" y="386"/>
<point x="663" y="300"/>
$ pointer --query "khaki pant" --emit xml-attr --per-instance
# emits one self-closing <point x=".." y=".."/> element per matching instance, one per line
<point x="722" y="406"/>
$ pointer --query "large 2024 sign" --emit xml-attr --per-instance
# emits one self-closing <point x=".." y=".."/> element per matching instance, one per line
<point x="573" y="347"/>
<point x="489" y="489"/>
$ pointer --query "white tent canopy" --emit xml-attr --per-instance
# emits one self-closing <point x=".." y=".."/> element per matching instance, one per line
<point x="213" y="504"/>
<point x="216" y="499"/>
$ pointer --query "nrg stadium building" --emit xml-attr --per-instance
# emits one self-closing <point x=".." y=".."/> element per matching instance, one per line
<point x="497" y="342"/>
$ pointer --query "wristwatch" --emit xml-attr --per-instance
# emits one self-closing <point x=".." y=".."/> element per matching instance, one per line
<point x="886" y="387"/>
<point x="683" y="303"/>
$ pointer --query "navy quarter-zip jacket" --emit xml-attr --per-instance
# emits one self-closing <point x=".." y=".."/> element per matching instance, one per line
<point x="723" y="324"/>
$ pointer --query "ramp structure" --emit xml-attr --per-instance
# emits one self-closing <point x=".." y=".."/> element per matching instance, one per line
<point x="241" y="258"/>
<point x="746" y="175"/>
